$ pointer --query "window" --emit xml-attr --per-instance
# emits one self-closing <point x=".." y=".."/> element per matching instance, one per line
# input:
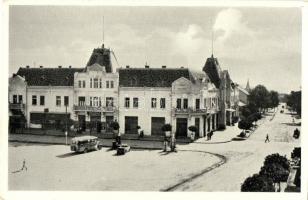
<point x="91" y="101"/>
<point x="107" y="84"/>
<point x="66" y="100"/>
<point x="34" y="100"/>
<point x="162" y="103"/>
<point x="58" y="101"/>
<point x="19" y="98"/>
<point x="42" y="100"/>
<point x="109" y="101"/>
<point x="153" y="103"/>
<point x="95" y="83"/>
<point x="205" y="106"/>
<point x="111" y="84"/>
<point x="126" y="102"/>
<point x="135" y="102"/>
<point x="185" y="103"/>
<point x="100" y="83"/>
<point x="81" y="101"/>
<point x="79" y="84"/>
<point x="14" y="98"/>
<point x="83" y="84"/>
<point x="178" y="103"/>
<point x="197" y="104"/>
<point x="90" y="82"/>
<point x="95" y="101"/>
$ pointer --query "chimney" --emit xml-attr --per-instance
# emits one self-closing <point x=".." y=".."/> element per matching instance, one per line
<point x="182" y="67"/>
<point x="59" y="66"/>
<point x="41" y="66"/>
<point x="127" y="66"/>
<point x="27" y="66"/>
<point x="147" y="66"/>
<point x="164" y="66"/>
<point x="70" y="66"/>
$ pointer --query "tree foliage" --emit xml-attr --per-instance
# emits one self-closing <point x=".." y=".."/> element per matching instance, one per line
<point x="275" y="172"/>
<point x="294" y="101"/>
<point x="244" y="124"/>
<point x="192" y="128"/>
<point x="259" y="97"/>
<point x="277" y="159"/>
<point x="166" y="127"/>
<point x="258" y="183"/>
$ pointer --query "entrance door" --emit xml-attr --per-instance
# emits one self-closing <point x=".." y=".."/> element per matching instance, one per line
<point x="131" y="124"/>
<point x="109" y="120"/>
<point x="156" y="125"/>
<point x="82" y="122"/>
<point x="95" y="121"/>
<point x="181" y="127"/>
<point x="197" y="124"/>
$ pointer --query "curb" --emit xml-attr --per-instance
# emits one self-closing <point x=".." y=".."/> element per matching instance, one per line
<point x="222" y="161"/>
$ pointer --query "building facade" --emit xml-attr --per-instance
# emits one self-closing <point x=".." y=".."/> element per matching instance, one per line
<point x="90" y="98"/>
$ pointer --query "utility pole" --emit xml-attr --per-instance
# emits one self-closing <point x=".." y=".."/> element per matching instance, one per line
<point x="66" y="124"/>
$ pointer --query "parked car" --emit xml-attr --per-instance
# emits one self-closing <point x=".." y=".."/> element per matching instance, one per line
<point x="85" y="144"/>
<point x="122" y="149"/>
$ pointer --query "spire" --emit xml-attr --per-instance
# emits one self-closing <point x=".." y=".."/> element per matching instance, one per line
<point x="103" y="31"/>
<point x="247" y="86"/>
<point x="212" y="43"/>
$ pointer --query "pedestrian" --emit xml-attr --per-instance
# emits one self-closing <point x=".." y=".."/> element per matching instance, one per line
<point x="192" y="136"/>
<point x="24" y="165"/>
<point x="267" y="138"/>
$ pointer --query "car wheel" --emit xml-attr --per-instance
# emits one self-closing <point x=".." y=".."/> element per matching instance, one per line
<point x="99" y="147"/>
<point x="85" y="150"/>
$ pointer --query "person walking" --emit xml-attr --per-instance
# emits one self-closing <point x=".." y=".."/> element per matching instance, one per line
<point x="267" y="138"/>
<point x="24" y="165"/>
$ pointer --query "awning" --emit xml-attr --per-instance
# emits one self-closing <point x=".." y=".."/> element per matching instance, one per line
<point x="230" y="110"/>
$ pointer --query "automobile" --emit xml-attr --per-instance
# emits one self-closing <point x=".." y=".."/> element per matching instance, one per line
<point x="83" y="144"/>
<point x="122" y="149"/>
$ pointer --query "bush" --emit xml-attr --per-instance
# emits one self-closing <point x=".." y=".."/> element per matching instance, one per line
<point x="166" y="127"/>
<point x="242" y="134"/>
<point x="115" y="125"/>
<point x="257" y="183"/>
<point x="192" y="128"/>
<point x="235" y="119"/>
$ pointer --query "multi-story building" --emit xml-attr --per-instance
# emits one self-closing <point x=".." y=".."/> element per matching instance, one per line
<point x="96" y="93"/>
<point x="223" y="82"/>
<point x="91" y="98"/>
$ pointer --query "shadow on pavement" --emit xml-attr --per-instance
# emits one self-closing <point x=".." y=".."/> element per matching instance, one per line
<point x="68" y="155"/>
<point x="292" y="124"/>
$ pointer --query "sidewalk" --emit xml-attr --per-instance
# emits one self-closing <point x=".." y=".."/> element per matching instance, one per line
<point x="222" y="136"/>
<point x="107" y="142"/>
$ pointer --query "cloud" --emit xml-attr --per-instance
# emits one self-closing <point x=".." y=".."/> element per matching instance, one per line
<point x="229" y="22"/>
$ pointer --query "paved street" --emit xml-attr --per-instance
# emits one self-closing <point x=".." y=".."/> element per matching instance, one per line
<point x="245" y="158"/>
<point x="54" y="167"/>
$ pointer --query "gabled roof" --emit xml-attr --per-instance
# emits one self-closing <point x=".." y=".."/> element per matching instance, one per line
<point x="151" y="77"/>
<point x="49" y="76"/>
<point x="212" y="69"/>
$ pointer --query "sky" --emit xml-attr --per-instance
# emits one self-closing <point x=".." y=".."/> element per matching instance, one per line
<point x="259" y="44"/>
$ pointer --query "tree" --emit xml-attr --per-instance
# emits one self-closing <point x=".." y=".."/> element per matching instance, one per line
<point x="259" y="98"/>
<point x="258" y="183"/>
<point x="277" y="159"/>
<point x="274" y="99"/>
<point x="275" y="172"/>
<point x="244" y="124"/>
<point x="294" y="101"/>
<point x="192" y="128"/>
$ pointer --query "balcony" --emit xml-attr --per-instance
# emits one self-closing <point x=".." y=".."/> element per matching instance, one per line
<point x="16" y="106"/>
<point x="94" y="109"/>
<point x="182" y="110"/>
